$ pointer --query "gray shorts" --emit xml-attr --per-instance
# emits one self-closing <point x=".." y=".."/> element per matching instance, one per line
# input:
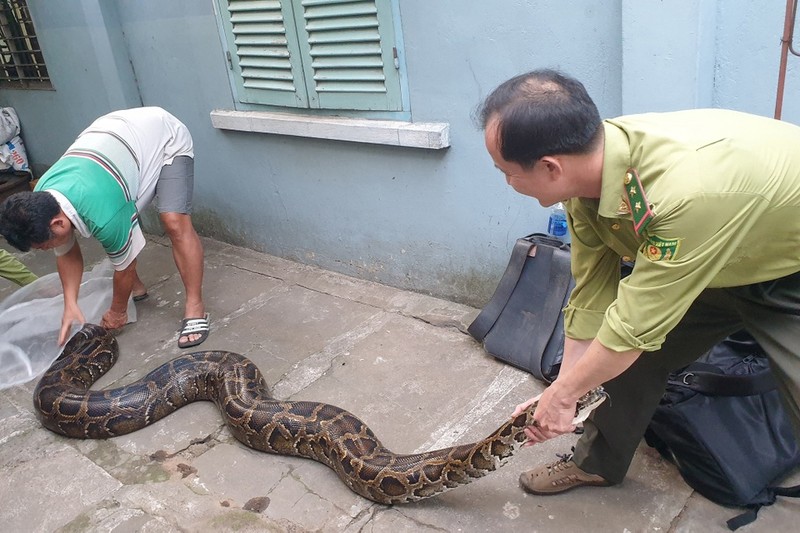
<point x="175" y="186"/>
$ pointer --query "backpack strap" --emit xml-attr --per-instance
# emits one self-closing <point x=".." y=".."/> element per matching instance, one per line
<point x="490" y="313"/>
<point x="747" y="517"/>
<point x="716" y="384"/>
<point x="751" y="514"/>
<point x="556" y="294"/>
<point x="550" y="252"/>
<point x="789" y="492"/>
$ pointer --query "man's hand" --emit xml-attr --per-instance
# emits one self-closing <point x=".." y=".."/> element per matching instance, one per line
<point x="553" y="415"/>
<point x="595" y="365"/>
<point x="573" y="351"/>
<point x="114" y="320"/>
<point x="72" y="315"/>
<point x="521" y="407"/>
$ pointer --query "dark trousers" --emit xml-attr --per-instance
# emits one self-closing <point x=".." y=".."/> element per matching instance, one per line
<point x="769" y="311"/>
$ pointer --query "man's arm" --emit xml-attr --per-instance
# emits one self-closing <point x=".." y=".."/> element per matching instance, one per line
<point x="573" y="351"/>
<point x="556" y="408"/>
<point x="70" y="271"/>
<point x="117" y="315"/>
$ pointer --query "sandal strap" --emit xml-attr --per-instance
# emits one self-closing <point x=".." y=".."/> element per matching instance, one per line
<point x="188" y="329"/>
<point x="194" y="325"/>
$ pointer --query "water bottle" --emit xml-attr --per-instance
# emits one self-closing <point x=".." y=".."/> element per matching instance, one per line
<point x="557" y="225"/>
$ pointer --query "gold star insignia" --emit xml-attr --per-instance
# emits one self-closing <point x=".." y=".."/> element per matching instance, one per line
<point x="641" y="208"/>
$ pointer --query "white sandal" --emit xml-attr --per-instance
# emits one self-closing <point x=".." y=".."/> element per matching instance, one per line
<point x="194" y="326"/>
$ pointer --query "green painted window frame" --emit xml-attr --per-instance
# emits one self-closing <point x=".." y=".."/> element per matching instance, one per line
<point x="313" y="54"/>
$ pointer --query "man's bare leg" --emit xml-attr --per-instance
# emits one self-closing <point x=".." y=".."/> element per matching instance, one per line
<point x="138" y="288"/>
<point x="187" y="250"/>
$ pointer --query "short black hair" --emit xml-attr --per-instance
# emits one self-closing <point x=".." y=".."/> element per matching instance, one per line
<point x="25" y="218"/>
<point x="542" y="112"/>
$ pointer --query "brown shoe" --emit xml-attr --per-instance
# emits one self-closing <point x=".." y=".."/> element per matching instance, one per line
<point x="557" y="477"/>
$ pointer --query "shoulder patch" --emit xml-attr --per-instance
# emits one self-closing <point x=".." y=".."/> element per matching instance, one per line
<point x="641" y="209"/>
<point x="656" y="248"/>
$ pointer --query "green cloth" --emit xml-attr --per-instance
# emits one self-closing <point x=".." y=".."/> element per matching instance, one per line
<point x="724" y="191"/>
<point x="13" y="270"/>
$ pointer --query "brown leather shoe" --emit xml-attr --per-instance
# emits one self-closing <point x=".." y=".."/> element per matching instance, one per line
<point x="557" y="477"/>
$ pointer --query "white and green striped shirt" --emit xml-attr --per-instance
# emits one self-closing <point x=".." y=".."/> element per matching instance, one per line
<point x="110" y="173"/>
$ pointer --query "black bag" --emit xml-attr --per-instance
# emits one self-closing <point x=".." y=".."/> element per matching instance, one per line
<point x="523" y="324"/>
<point x="722" y="423"/>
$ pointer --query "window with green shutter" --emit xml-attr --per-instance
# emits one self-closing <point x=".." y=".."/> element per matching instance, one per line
<point x="313" y="54"/>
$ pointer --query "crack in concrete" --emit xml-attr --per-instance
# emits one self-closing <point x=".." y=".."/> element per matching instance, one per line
<point x="310" y="369"/>
<point x="250" y="270"/>
<point x="210" y="441"/>
<point x="449" y="323"/>
<point x="189" y="451"/>
<point x="504" y="382"/>
<point x="446" y="323"/>
<point x="419" y="523"/>
<point x="365" y="516"/>
<point x="367" y="507"/>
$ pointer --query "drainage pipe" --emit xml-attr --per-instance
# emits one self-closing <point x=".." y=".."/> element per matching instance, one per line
<point x="786" y="47"/>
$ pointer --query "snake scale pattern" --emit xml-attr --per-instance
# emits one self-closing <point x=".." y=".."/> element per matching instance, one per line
<point x="318" y="431"/>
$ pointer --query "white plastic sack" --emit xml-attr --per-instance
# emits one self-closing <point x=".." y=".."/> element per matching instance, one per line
<point x="30" y="321"/>
<point x="9" y="124"/>
<point x="12" y="154"/>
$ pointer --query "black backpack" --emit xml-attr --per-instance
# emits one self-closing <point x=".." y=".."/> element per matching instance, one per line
<point x="722" y="423"/>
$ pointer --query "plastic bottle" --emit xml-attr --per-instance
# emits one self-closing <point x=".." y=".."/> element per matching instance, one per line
<point x="557" y="225"/>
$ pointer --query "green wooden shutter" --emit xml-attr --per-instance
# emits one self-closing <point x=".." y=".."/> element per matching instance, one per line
<point x="349" y="54"/>
<point x="262" y="45"/>
<point x="321" y="54"/>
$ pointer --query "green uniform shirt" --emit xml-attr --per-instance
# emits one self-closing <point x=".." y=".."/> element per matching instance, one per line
<point x="715" y="197"/>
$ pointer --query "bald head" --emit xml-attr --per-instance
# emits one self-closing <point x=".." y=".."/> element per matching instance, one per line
<point x="541" y="113"/>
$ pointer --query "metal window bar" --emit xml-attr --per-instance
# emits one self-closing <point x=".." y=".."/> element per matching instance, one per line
<point x="21" y="60"/>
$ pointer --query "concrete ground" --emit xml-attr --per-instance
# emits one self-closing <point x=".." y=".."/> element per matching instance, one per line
<point x="400" y="361"/>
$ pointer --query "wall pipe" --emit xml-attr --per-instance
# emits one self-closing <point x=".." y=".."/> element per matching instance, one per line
<point x="786" y="47"/>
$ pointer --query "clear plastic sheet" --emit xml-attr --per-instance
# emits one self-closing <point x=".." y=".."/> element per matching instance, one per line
<point x="30" y="320"/>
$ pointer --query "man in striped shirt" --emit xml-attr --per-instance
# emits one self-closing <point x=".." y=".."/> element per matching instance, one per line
<point x="116" y="166"/>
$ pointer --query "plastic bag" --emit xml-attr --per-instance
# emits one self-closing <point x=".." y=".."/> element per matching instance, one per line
<point x="30" y="321"/>
<point x="13" y="155"/>
<point x="9" y="124"/>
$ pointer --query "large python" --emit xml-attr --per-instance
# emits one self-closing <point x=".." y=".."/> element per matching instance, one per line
<point x="319" y="431"/>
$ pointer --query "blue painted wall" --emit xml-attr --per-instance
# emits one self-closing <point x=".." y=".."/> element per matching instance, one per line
<point x="441" y="222"/>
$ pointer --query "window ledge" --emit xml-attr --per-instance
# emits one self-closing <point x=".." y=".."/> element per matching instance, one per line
<point x="429" y="135"/>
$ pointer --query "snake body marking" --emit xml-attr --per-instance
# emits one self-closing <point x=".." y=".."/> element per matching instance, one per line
<point x="318" y="431"/>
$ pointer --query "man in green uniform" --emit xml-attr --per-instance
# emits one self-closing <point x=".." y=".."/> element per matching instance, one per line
<point x="707" y="204"/>
<point x="13" y="270"/>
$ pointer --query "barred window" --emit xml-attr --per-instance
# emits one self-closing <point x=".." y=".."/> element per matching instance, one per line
<point x="21" y="60"/>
